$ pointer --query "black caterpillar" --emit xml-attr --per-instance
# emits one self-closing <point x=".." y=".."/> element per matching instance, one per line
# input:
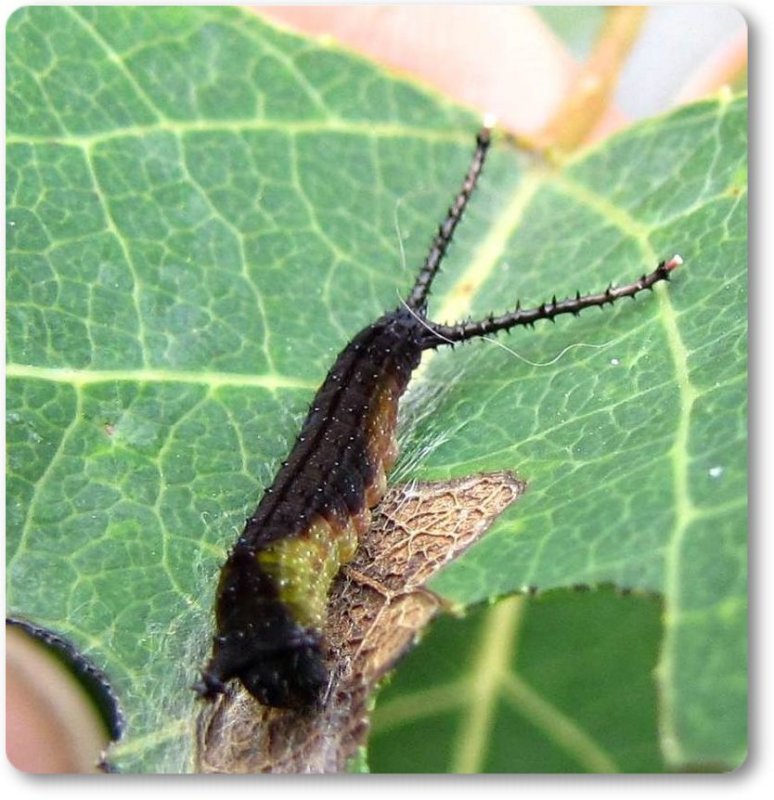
<point x="273" y="590"/>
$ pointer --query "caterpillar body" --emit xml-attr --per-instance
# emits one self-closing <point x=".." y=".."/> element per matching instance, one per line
<point x="273" y="589"/>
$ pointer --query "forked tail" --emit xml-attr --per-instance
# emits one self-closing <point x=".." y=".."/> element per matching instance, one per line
<point x="437" y="334"/>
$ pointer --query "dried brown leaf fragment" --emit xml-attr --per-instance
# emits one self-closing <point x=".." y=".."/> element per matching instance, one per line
<point x="378" y="607"/>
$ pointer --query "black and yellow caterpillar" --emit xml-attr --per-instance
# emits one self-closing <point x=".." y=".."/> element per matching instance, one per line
<point x="273" y="590"/>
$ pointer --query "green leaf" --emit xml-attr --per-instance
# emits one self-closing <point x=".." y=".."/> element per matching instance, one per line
<point x="528" y="685"/>
<point x="202" y="211"/>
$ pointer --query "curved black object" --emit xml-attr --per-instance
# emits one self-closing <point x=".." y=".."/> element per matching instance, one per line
<point x="92" y="678"/>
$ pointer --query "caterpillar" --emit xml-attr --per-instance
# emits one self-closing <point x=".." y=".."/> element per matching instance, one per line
<point x="273" y="589"/>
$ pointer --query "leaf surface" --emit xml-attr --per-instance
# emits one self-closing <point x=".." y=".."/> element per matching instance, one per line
<point x="202" y="210"/>
<point x="552" y="683"/>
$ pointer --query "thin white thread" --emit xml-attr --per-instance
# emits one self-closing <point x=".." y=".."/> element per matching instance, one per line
<point x="423" y="322"/>
<point x="554" y="359"/>
<point x="414" y="193"/>
<point x="398" y="233"/>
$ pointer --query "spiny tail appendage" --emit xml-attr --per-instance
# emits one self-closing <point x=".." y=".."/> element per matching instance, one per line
<point x="417" y="298"/>
<point x="437" y="334"/>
